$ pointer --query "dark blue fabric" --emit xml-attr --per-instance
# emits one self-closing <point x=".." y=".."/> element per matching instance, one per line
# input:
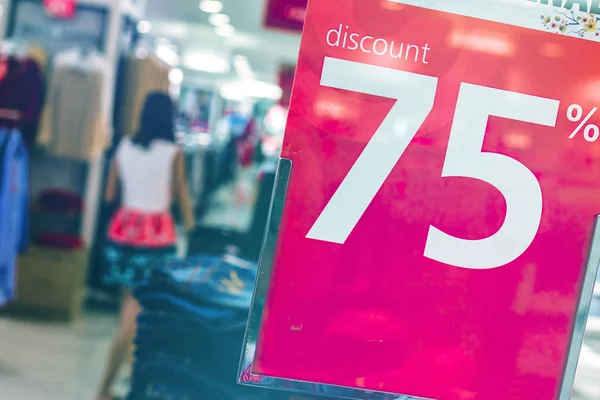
<point x="14" y="207"/>
<point x="130" y="266"/>
<point x="191" y="328"/>
<point x="210" y="317"/>
<point x="223" y="281"/>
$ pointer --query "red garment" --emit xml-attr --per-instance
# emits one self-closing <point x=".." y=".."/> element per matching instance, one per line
<point x="21" y="89"/>
<point x="135" y="228"/>
<point x="60" y="201"/>
<point x="59" y="241"/>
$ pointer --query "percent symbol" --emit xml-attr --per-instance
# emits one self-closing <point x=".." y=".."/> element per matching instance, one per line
<point x="591" y="132"/>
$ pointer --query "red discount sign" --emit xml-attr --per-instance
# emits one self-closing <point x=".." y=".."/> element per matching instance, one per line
<point x="61" y="9"/>
<point x="435" y="236"/>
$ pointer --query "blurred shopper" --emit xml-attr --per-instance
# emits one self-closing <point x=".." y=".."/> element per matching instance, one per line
<point x="142" y="234"/>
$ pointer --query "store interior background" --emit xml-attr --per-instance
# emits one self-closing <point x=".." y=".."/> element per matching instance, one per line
<point x="223" y="67"/>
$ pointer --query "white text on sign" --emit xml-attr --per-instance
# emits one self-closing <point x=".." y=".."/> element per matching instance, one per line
<point x="415" y="94"/>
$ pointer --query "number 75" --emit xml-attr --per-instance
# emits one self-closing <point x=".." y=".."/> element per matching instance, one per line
<point x="415" y="94"/>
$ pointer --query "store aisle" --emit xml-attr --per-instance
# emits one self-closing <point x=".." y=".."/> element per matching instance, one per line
<point x="50" y="361"/>
<point x="232" y="205"/>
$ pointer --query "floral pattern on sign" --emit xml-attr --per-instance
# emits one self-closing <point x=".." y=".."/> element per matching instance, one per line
<point x="573" y="24"/>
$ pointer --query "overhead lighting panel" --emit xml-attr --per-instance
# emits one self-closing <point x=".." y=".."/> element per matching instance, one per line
<point x="211" y="6"/>
<point x="225" y="30"/>
<point x="218" y="19"/>
<point x="144" y="27"/>
<point x="176" y="76"/>
<point x="206" y="62"/>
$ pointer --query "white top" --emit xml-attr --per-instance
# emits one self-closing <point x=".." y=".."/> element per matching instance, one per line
<point x="146" y="175"/>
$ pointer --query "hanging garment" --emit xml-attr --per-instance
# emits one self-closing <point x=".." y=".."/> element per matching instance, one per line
<point x="14" y="207"/>
<point x="74" y="123"/>
<point x="21" y="90"/>
<point x="143" y="76"/>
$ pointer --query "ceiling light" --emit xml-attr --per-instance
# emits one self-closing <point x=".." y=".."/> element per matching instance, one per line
<point x="241" y="89"/>
<point x="167" y="53"/>
<point x="144" y="27"/>
<point x="176" y="76"/>
<point x="240" y="61"/>
<point x="161" y="41"/>
<point x="218" y="19"/>
<point x="206" y="62"/>
<point x="172" y="30"/>
<point x="247" y="75"/>
<point x="211" y="6"/>
<point x="243" y="68"/>
<point x="245" y="72"/>
<point x="141" y="53"/>
<point x="225" y="30"/>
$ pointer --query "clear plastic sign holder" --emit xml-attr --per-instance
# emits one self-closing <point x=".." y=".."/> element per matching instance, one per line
<point x="247" y="377"/>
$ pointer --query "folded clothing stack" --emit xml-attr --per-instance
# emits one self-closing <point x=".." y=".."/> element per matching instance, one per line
<point x="191" y="329"/>
<point x="216" y="241"/>
<point x="56" y="219"/>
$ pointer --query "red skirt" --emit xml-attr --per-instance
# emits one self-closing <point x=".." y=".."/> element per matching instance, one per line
<point x="136" y="228"/>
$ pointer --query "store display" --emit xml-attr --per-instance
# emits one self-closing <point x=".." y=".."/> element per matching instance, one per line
<point x="194" y="108"/>
<point x="51" y="282"/>
<point x="74" y="124"/>
<point x="191" y="329"/>
<point x="61" y="9"/>
<point x="57" y="211"/>
<point x="436" y="204"/>
<point x="60" y="201"/>
<point x="14" y="208"/>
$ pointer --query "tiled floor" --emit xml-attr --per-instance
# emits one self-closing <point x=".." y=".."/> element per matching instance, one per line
<point x="52" y="361"/>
